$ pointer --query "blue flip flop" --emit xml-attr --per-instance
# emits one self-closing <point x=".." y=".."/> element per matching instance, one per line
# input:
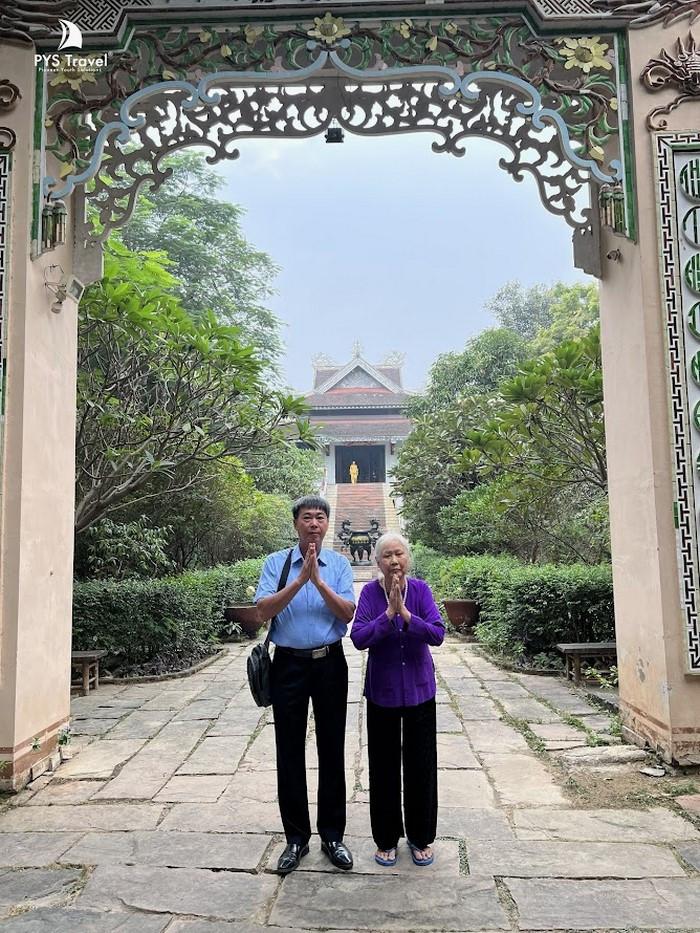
<point x="419" y="861"/>
<point x="386" y="862"/>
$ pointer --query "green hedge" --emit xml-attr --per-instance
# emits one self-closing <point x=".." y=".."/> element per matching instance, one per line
<point x="526" y="609"/>
<point x="176" y="617"/>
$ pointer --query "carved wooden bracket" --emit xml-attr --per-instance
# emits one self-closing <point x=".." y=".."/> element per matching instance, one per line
<point x="21" y="20"/>
<point x="682" y="72"/>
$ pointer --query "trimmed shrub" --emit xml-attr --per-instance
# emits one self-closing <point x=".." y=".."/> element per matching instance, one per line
<point x="527" y="609"/>
<point x="426" y="562"/>
<point x="174" y="619"/>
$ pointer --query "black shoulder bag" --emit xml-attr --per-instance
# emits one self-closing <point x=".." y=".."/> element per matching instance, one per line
<point x="259" y="662"/>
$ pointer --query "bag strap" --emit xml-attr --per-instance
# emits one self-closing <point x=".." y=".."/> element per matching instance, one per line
<point x="280" y="586"/>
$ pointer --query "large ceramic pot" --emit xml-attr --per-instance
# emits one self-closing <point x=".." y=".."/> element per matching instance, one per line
<point x="463" y="614"/>
<point x="246" y="616"/>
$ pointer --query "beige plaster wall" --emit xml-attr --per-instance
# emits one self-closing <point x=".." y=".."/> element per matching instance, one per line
<point x="660" y="702"/>
<point x="36" y="530"/>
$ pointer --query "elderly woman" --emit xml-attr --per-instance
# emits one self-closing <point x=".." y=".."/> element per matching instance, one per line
<point x="397" y="619"/>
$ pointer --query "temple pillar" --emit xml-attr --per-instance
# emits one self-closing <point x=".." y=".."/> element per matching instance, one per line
<point x="651" y="440"/>
<point x="38" y="459"/>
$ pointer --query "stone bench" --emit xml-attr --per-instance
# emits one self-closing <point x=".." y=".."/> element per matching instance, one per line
<point x="575" y="652"/>
<point x="87" y="666"/>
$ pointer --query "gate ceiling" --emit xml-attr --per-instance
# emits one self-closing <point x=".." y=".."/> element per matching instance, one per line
<point x="548" y="82"/>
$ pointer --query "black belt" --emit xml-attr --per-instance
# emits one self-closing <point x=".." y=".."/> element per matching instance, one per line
<point x="313" y="653"/>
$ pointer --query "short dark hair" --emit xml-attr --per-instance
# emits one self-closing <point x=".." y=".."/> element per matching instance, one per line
<point x="310" y="502"/>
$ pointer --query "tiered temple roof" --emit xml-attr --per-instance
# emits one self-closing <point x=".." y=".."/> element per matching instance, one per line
<point x="359" y="401"/>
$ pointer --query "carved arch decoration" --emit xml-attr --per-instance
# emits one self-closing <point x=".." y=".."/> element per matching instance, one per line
<point x="556" y="102"/>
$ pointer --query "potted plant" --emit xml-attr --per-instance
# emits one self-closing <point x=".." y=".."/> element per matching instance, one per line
<point x="245" y="615"/>
<point x="463" y="614"/>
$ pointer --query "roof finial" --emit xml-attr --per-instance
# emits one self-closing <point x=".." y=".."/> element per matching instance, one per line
<point x="356" y="349"/>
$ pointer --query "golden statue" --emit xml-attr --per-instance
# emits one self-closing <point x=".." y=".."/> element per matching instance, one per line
<point x="354" y="472"/>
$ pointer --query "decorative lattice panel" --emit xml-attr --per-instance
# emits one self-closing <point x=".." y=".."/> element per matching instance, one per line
<point x="678" y="180"/>
<point x="103" y="16"/>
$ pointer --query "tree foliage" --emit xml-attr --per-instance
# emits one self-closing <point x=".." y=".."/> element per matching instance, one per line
<point x="549" y="426"/>
<point x="217" y="268"/>
<point x="160" y="392"/>
<point x="523" y="310"/>
<point x="485" y="362"/>
<point x="508" y="451"/>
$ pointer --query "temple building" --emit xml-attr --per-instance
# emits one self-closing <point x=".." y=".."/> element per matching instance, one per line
<point x="357" y="411"/>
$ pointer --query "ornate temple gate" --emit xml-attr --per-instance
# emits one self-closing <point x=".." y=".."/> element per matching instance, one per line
<point x="580" y="97"/>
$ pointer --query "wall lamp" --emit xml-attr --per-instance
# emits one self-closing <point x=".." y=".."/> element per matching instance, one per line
<point x="334" y="133"/>
<point x="61" y="288"/>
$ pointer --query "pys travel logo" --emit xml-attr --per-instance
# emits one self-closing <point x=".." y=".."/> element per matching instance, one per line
<point x="71" y="38"/>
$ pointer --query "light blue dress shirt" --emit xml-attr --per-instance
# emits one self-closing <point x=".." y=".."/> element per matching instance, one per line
<point x="306" y="621"/>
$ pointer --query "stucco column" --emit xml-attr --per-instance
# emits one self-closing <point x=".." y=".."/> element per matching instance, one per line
<point x="660" y="699"/>
<point x="38" y="465"/>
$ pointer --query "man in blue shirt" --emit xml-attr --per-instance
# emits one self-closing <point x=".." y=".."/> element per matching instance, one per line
<point x="310" y="613"/>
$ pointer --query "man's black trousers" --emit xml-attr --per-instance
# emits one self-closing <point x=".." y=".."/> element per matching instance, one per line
<point x="417" y="750"/>
<point x="294" y="682"/>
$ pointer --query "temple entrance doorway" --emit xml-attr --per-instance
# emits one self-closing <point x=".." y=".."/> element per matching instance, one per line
<point x="370" y="460"/>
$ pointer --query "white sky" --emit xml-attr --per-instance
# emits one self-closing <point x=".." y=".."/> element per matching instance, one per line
<point x="384" y="241"/>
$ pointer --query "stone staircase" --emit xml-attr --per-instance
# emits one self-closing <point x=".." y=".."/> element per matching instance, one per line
<point x="359" y="503"/>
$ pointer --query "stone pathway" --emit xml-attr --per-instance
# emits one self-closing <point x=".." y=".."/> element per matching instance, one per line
<point x="166" y="820"/>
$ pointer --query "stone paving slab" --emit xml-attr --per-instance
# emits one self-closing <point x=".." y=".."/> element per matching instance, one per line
<point x="99" y="712"/>
<point x="33" y="850"/>
<point x="200" y="709"/>
<point x="365" y="902"/>
<point x="100" y="759"/>
<point x="494" y="737"/>
<point x="446" y="862"/>
<point x="659" y="904"/>
<point x="149" y="769"/>
<point x="87" y="816"/>
<point x="225" y="816"/>
<point x="224" y="926"/>
<point x="195" y="891"/>
<point x="193" y="788"/>
<point x="603" y="755"/>
<point x="454" y="752"/>
<point x="560" y="731"/>
<point x="92" y="726"/>
<point x="690" y="803"/>
<point x="30" y="886"/>
<point x="690" y="852"/>
<point x="141" y="724"/>
<point x="522" y="781"/>
<point x="215" y="756"/>
<point x="572" y="860"/>
<point x="170" y="850"/>
<point x="464" y="823"/>
<point x="66" y="792"/>
<point x="70" y="920"/>
<point x="473" y="707"/>
<point x="655" y="825"/>
<point x="465" y="789"/>
<point x="529" y="710"/>
<point x="447" y="720"/>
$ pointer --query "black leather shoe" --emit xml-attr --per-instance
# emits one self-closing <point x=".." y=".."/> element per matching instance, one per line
<point x="290" y="858"/>
<point x="338" y="853"/>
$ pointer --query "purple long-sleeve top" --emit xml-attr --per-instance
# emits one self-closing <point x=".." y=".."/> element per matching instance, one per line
<point x="400" y="669"/>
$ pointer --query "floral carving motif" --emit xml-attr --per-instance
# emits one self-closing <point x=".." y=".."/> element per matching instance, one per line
<point x="329" y="29"/>
<point x="682" y="72"/>
<point x="587" y="53"/>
